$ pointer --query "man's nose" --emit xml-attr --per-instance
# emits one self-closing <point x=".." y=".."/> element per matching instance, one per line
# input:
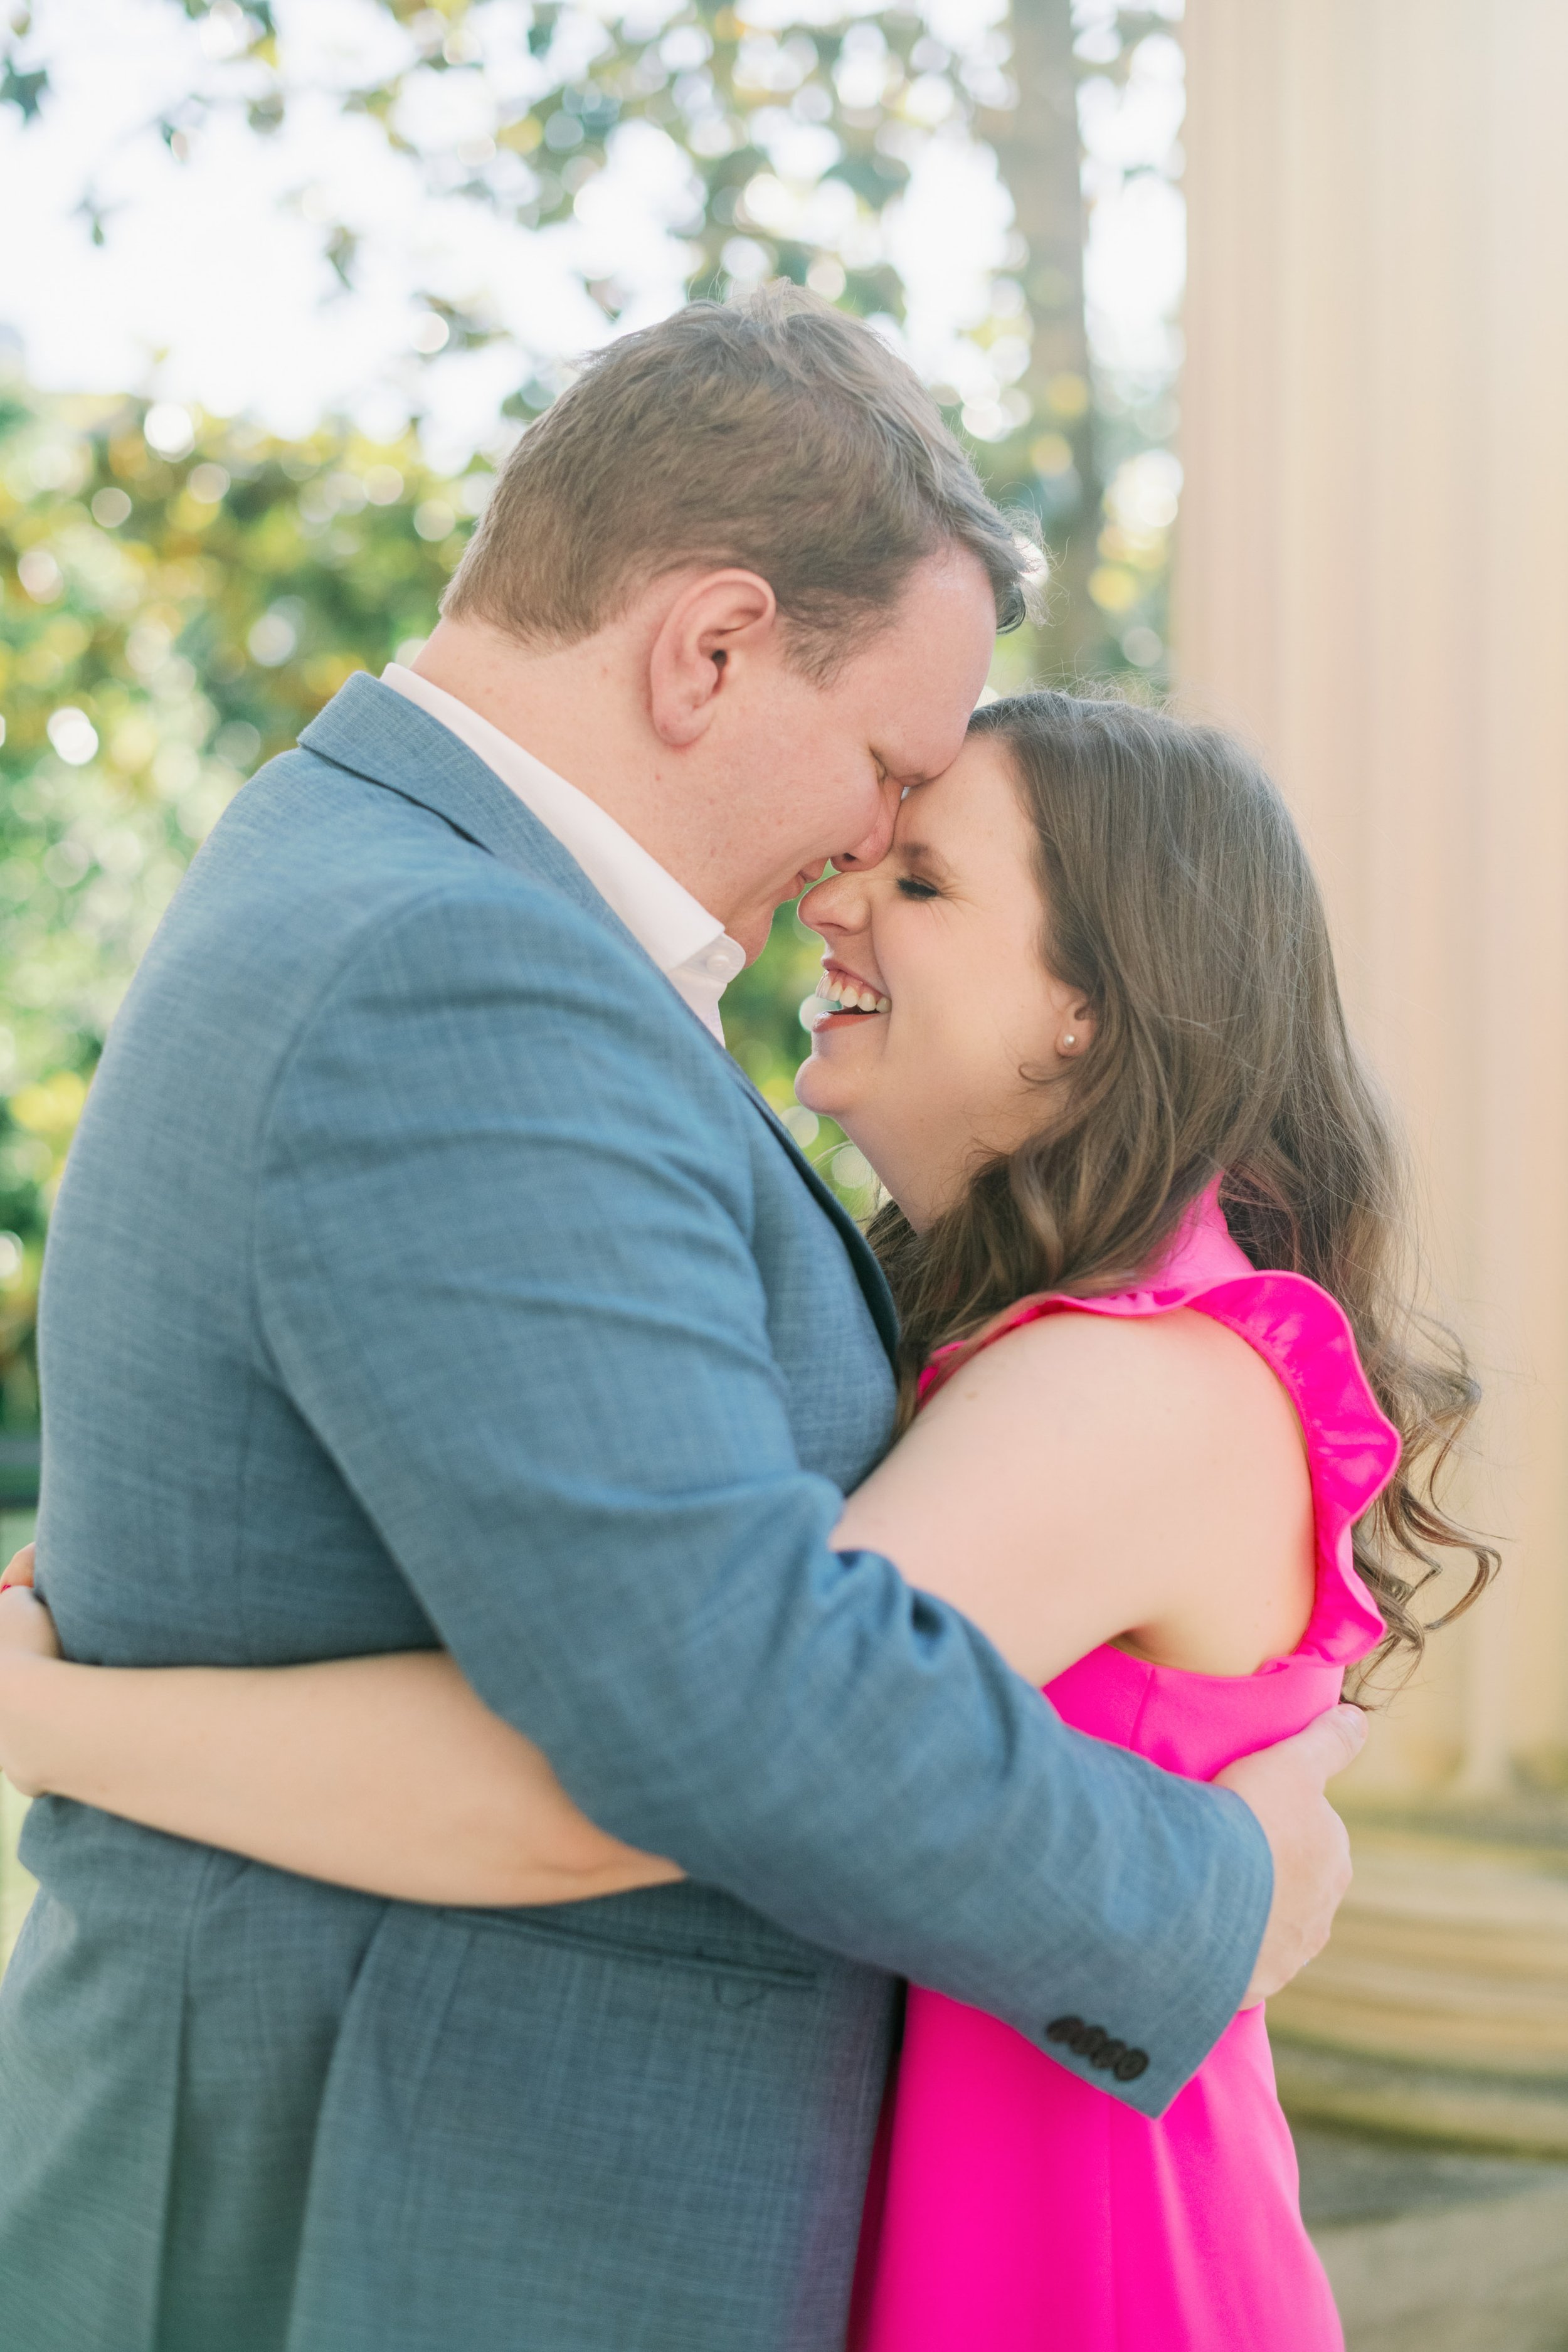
<point x="873" y="846"/>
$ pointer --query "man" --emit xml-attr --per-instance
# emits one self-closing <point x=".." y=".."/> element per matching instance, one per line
<point x="425" y="1271"/>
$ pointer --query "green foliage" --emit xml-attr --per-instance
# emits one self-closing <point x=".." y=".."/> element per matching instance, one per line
<point x="166" y="622"/>
<point x="799" y="126"/>
<point x="725" y="89"/>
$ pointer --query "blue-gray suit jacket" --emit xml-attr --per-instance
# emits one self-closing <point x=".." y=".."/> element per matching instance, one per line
<point x="425" y="1272"/>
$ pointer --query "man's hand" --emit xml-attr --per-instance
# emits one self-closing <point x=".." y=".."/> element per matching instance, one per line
<point x="1284" y="1787"/>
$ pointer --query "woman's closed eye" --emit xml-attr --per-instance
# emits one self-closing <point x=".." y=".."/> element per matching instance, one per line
<point x="911" y="887"/>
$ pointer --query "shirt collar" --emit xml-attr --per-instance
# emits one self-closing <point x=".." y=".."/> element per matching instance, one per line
<point x="690" y="946"/>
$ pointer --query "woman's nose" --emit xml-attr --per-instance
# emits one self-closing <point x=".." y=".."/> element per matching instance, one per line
<point x="835" y="906"/>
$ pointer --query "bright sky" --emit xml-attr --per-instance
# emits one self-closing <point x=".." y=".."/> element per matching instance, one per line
<point x="212" y="286"/>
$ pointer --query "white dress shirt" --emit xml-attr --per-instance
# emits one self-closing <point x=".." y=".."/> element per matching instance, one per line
<point x="690" y="946"/>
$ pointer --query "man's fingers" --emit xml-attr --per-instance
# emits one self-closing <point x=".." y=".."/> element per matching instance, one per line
<point x="1344" y="1732"/>
<point x="1331" y="1743"/>
<point x="19" y="1567"/>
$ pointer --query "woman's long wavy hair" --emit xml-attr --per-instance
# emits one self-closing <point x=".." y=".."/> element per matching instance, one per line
<point x="1179" y="899"/>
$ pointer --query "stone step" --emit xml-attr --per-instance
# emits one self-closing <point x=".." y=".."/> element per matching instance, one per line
<point x="1431" y="2249"/>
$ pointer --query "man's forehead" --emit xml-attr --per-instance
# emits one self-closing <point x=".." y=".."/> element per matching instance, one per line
<point x="920" y="736"/>
<point x="936" y="650"/>
<point x="947" y="600"/>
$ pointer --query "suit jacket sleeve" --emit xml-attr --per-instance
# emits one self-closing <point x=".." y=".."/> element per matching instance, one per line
<point x="503" y="1267"/>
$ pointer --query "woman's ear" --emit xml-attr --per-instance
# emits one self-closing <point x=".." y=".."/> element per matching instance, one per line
<point x="702" y="644"/>
<point x="1075" y="1027"/>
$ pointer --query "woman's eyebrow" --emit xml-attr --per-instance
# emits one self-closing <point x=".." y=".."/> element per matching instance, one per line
<point x="919" y="853"/>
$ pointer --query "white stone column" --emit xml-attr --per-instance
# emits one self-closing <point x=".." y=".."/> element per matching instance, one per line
<point x="1372" y="581"/>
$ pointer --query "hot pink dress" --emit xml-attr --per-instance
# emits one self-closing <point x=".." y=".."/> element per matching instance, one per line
<point x="1016" y="2208"/>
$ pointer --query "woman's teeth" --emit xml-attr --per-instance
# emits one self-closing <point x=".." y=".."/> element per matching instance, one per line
<point x="848" y="997"/>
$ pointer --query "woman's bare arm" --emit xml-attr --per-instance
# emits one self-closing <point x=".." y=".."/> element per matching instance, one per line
<point x="384" y="1773"/>
<point x="1081" y="1481"/>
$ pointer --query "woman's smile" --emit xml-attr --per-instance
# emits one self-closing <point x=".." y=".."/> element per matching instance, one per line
<point x="850" y="995"/>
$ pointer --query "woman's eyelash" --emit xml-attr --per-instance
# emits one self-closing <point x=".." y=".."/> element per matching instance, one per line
<point x="913" y="887"/>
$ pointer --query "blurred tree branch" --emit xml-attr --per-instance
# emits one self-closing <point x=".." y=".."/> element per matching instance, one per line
<point x="798" y="141"/>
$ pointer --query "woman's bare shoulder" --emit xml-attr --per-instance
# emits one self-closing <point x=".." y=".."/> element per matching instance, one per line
<point x="1178" y="1382"/>
<point x="1154" y="1452"/>
<point x="1097" y="1355"/>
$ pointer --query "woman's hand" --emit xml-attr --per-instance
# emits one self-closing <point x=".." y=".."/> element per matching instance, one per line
<point x="27" y="1635"/>
<point x="25" y="1622"/>
<point x="19" y="1567"/>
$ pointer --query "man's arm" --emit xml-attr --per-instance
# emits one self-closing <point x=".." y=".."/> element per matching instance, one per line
<point x="504" y="1266"/>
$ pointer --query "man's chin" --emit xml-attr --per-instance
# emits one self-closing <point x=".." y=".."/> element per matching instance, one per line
<point x="752" y="929"/>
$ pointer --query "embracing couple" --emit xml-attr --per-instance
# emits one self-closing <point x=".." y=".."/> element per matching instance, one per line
<point x="558" y="1617"/>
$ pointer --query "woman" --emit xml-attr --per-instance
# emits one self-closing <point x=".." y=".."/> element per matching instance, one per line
<point x="1083" y="1021"/>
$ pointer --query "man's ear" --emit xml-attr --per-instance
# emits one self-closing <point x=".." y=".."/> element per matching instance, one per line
<point x="714" y="623"/>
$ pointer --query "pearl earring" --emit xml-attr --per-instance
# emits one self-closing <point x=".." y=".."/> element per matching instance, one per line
<point x="1068" y="1045"/>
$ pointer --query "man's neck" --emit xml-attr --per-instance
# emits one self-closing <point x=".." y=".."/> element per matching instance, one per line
<point x="572" y="706"/>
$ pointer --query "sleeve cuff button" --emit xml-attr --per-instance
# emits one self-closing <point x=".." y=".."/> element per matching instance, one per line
<point x="1093" y="2043"/>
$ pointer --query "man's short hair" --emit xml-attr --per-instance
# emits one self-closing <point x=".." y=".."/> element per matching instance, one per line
<point x="775" y="434"/>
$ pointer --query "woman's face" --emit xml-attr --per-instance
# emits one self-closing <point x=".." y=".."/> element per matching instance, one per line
<point x="942" y="941"/>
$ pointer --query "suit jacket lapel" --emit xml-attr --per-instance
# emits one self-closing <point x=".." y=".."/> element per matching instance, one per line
<point x="862" y="1257"/>
<point x="374" y="732"/>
